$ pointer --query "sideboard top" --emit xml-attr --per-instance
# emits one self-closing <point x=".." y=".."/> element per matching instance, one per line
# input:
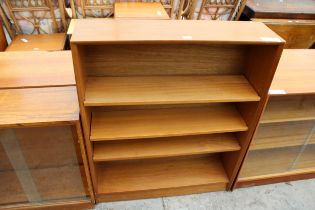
<point x="199" y="31"/>
<point x="36" y="69"/>
<point x="295" y="73"/>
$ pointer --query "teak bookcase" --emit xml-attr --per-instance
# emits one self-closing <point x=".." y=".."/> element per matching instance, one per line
<point x="283" y="148"/>
<point x="43" y="162"/>
<point x="170" y="107"/>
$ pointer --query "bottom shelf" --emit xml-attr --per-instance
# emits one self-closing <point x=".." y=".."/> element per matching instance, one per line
<point x="159" y="177"/>
<point x="57" y="184"/>
<point x="298" y="174"/>
<point x="278" y="160"/>
<point x="269" y="161"/>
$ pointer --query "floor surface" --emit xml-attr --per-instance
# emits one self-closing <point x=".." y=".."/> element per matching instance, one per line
<point x="298" y="195"/>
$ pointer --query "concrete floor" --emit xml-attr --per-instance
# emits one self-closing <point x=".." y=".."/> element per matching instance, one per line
<point x="298" y="195"/>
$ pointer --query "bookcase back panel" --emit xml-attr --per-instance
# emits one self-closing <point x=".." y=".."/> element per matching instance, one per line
<point x="163" y="59"/>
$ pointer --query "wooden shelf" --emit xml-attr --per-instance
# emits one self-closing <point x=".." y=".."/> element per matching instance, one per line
<point x="164" y="147"/>
<point x="285" y="134"/>
<point x="289" y="109"/>
<point x="142" y="90"/>
<point x="152" y="178"/>
<point x="165" y="122"/>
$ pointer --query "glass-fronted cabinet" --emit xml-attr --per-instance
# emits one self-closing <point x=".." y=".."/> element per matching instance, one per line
<point x="284" y="144"/>
<point x="42" y="153"/>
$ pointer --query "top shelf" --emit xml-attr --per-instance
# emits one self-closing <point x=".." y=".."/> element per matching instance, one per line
<point x="145" y="90"/>
<point x="192" y="31"/>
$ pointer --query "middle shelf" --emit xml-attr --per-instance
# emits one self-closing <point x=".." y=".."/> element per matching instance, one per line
<point x="144" y="90"/>
<point x="166" y="122"/>
<point x="164" y="147"/>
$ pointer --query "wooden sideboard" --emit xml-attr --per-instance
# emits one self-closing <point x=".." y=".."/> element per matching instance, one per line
<point x="283" y="147"/>
<point x="43" y="160"/>
<point x="285" y="9"/>
<point x="293" y="20"/>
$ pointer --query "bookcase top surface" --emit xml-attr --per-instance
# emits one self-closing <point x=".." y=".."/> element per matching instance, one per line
<point x="189" y="31"/>
<point x="38" y="106"/>
<point x="36" y="69"/>
<point x="295" y="73"/>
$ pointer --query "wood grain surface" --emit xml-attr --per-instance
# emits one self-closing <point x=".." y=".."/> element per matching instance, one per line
<point x="36" y="69"/>
<point x="163" y="59"/>
<point x="164" y="147"/>
<point x="41" y="42"/>
<point x="108" y="91"/>
<point x="113" y="31"/>
<point x="295" y="72"/>
<point x="289" y="9"/>
<point x="163" y="176"/>
<point x="140" y="10"/>
<point x="31" y="106"/>
<point x="131" y="124"/>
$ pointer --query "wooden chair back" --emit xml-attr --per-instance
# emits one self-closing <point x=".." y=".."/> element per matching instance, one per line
<point x="104" y="8"/>
<point x="33" y="12"/>
<point x="3" y="40"/>
<point x="212" y="9"/>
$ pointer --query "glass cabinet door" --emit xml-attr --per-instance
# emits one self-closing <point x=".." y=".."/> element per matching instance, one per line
<point x="284" y="139"/>
<point x="306" y="158"/>
<point x="279" y="148"/>
<point x="40" y="164"/>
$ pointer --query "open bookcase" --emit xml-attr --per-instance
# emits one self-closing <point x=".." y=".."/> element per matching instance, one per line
<point x="284" y="147"/>
<point x="170" y="107"/>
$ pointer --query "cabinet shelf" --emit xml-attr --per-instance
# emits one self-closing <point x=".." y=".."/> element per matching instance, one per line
<point x="296" y="174"/>
<point x="289" y="109"/>
<point x="63" y="188"/>
<point x="279" y="160"/>
<point x="285" y="134"/>
<point x="164" y="147"/>
<point x="152" y="178"/>
<point x="143" y="90"/>
<point x="165" y="122"/>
